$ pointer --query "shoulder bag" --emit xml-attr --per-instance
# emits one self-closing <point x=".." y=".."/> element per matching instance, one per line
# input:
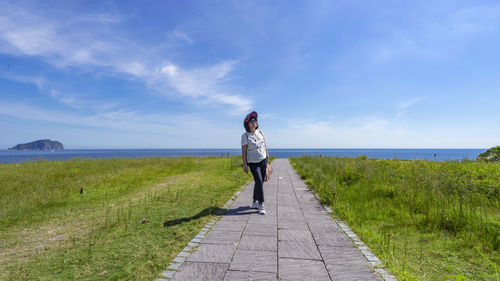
<point x="269" y="168"/>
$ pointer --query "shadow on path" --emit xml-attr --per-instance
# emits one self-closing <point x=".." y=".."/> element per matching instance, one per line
<point x="242" y="210"/>
<point x="208" y="212"/>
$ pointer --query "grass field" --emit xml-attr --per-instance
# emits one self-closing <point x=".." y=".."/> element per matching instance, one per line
<point x="425" y="220"/>
<point x="81" y="219"/>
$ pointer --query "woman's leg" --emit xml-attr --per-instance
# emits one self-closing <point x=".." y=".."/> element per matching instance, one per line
<point x="263" y="171"/>
<point x="253" y="168"/>
<point x="258" y="193"/>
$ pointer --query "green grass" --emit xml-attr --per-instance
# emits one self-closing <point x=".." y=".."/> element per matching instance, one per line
<point x="425" y="220"/>
<point x="51" y="231"/>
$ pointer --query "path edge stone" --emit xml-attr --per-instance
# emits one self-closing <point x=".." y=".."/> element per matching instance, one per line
<point x="177" y="262"/>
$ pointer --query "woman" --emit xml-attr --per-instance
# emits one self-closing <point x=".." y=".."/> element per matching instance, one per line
<point x="255" y="155"/>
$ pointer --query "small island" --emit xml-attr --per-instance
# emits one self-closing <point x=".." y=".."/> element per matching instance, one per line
<point x="39" y="145"/>
<point x="491" y="155"/>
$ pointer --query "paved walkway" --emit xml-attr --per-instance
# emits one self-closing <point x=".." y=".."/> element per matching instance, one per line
<point x="295" y="240"/>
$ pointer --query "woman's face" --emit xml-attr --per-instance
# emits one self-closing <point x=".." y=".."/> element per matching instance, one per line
<point x="252" y="124"/>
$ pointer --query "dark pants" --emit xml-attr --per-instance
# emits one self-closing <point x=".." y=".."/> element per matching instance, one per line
<point x="259" y="173"/>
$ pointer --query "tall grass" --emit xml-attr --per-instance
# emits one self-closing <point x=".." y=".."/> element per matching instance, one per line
<point x="104" y="219"/>
<point x="426" y="220"/>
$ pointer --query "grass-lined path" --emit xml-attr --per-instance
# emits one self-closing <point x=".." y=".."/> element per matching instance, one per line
<point x="295" y="240"/>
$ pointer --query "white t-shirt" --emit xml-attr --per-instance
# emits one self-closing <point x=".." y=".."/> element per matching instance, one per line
<point x="256" y="150"/>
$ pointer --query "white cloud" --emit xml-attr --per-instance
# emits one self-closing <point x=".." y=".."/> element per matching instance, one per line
<point x="182" y="36"/>
<point x="77" y="102"/>
<point x="93" y="42"/>
<point x="40" y="82"/>
<point x="197" y="82"/>
<point x="122" y="120"/>
<point x="169" y="70"/>
<point x="61" y="41"/>
<point x="204" y="83"/>
<point x="74" y="101"/>
<point x="240" y="104"/>
<point x="102" y="18"/>
<point x="409" y="103"/>
<point x="125" y="128"/>
<point x="405" y="106"/>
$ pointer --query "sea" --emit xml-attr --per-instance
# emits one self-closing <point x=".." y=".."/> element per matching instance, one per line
<point x="18" y="156"/>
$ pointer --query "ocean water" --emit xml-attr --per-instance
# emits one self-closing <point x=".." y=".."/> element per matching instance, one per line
<point x="17" y="156"/>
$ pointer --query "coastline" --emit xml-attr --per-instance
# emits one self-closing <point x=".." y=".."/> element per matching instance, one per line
<point x="438" y="154"/>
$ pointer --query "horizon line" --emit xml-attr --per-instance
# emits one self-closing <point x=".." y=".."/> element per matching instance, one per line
<point x="222" y="148"/>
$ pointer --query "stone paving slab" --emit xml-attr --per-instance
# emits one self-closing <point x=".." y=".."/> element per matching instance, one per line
<point x="236" y="226"/>
<point x="295" y="235"/>
<point x="323" y="225"/>
<point x="213" y="253"/>
<point x="318" y="218"/>
<point x="337" y="239"/>
<point x="258" y="243"/>
<point x="292" y="204"/>
<point x="249" y="276"/>
<point x="289" y="212"/>
<point x="222" y="237"/>
<point x="261" y="230"/>
<point x="298" y="250"/>
<point x="270" y="212"/>
<point x="348" y="256"/>
<point x="260" y="261"/>
<point x="284" y="223"/>
<point x="347" y="273"/>
<point x="297" y="269"/>
<point x="296" y="240"/>
<point x="201" y="271"/>
<point x="262" y="220"/>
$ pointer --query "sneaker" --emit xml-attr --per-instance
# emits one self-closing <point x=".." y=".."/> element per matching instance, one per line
<point x="255" y="205"/>
<point x="262" y="211"/>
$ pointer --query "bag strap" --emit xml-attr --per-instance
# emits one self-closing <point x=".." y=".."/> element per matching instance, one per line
<point x="267" y="153"/>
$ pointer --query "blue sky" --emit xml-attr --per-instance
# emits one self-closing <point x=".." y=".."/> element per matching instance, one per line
<point x="183" y="74"/>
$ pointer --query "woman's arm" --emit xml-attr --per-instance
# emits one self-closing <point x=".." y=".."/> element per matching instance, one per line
<point x="244" y="156"/>
<point x="265" y="143"/>
<point x="267" y="154"/>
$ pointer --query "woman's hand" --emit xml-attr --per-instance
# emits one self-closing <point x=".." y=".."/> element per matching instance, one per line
<point x="244" y="157"/>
